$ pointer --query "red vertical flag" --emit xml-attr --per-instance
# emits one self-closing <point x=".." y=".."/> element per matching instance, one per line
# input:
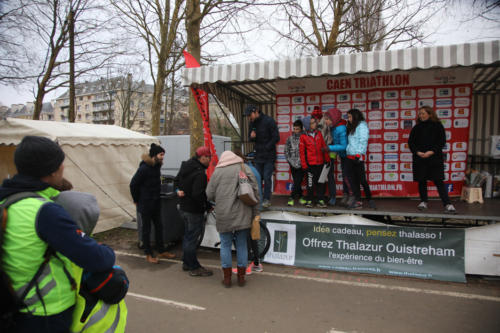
<point x="201" y="98"/>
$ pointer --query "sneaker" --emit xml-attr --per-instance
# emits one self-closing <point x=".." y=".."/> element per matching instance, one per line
<point x="372" y="204"/>
<point x="450" y="209"/>
<point x="248" y="271"/>
<point x="290" y="202"/>
<point x="356" y="205"/>
<point x="256" y="268"/>
<point x="344" y="200"/>
<point x="266" y="204"/>
<point x="422" y="205"/>
<point x="302" y="201"/>
<point x="350" y="201"/>
<point x="200" y="271"/>
<point x="309" y="204"/>
<point x="321" y="204"/>
<point x="332" y="201"/>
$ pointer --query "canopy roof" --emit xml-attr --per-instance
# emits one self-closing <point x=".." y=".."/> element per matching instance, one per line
<point x="256" y="81"/>
<point x="12" y="130"/>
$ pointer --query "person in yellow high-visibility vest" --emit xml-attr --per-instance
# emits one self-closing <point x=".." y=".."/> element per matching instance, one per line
<point x="100" y="306"/>
<point x="35" y="224"/>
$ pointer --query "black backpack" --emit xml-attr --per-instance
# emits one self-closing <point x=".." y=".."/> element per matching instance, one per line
<point x="10" y="303"/>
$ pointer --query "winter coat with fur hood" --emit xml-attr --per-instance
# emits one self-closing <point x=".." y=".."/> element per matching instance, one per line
<point x="145" y="185"/>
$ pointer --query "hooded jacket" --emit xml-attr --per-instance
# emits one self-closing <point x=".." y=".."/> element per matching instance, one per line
<point x="192" y="179"/>
<point x="311" y="146"/>
<point x="145" y="186"/>
<point x="339" y="135"/>
<point x="230" y="212"/>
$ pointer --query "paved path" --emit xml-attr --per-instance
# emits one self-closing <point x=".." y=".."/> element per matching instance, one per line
<point x="163" y="298"/>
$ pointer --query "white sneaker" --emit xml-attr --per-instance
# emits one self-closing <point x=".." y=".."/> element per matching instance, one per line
<point x="266" y="204"/>
<point x="450" y="209"/>
<point x="422" y="205"/>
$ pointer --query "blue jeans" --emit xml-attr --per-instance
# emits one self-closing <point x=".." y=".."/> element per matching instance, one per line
<point x="266" y="172"/>
<point x="193" y="224"/>
<point x="226" y="240"/>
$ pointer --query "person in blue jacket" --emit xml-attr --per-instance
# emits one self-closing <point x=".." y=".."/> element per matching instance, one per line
<point x="338" y="131"/>
<point x="357" y="143"/>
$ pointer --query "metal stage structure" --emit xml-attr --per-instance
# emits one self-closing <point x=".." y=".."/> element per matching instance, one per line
<point x="403" y="211"/>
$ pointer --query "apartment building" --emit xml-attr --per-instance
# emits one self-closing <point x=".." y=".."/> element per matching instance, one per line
<point x="115" y="101"/>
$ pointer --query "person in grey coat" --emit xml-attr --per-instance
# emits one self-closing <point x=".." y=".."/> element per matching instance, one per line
<point x="233" y="217"/>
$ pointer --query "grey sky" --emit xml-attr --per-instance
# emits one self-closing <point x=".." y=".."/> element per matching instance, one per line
<point x="452" y="27"/>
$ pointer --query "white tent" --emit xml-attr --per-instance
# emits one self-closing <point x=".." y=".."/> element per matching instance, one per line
<point x="100" y="159"/>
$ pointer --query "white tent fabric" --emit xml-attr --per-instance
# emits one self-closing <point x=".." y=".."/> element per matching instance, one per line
<point x="100" y="159"/>
<point x="481" y="53"/>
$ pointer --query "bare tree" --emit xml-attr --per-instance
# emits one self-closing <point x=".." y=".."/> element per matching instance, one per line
<point x="40" y="30"/>
<point x="205" y="23"/>
<point x="318" y="27"/>
<point x="156" y="23"/>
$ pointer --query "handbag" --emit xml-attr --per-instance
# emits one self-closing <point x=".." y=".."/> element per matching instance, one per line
<point x="255" y="229"/>
<point x="245" y="190"/>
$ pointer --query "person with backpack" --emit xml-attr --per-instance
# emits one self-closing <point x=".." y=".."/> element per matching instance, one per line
<point x="41" y="243"/>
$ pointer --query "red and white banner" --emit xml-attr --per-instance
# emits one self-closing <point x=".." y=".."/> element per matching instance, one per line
<point x="389" y="102"/>
<point x="201" y="98"/>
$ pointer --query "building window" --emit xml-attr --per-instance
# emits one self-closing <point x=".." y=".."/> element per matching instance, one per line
<point x="141" y="123"/>
<point x="140" y="114"/>
<point x="78" y="107"/>
<point x="81" y="98"/>
<point x="86" y="107"/>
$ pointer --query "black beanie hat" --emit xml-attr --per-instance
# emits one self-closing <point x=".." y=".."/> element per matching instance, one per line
<point x="155" y="150"/>
<point x="37" y="156"/>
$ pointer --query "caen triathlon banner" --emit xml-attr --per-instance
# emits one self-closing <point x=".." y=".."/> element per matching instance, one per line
<point x="424" y="253"/>
<point x="389" y="102"/>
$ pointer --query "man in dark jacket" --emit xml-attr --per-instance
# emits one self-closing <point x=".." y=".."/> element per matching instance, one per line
<point x="145" y="188"/>
<point x="264" y="132"/>
<point x="191" y="182"/>
<point x="32" y="225"/>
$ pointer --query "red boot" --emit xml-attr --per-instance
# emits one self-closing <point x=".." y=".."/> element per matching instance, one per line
<point x="241" y="276"/>
<point x="227" y="277"/>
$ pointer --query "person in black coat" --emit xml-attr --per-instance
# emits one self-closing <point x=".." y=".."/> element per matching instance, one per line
<point x="264" y="132"/>
<point x="427" y="140"/>
<point x="145" y="188"/>
<point x="191" y="183"/>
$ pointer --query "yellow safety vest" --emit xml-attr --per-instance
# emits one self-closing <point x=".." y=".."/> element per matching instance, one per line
<point x="23" y="255"/>
<point x="104" y="318"/>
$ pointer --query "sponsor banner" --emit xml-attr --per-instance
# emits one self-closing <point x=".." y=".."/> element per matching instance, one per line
<point x="424" y="253"/>
<point x="390" y="105"/>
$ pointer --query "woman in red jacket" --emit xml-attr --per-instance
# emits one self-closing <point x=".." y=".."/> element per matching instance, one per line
<point x="313" y="155"/>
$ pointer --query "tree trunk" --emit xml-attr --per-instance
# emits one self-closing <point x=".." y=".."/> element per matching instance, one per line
<point x="193" y="23"/>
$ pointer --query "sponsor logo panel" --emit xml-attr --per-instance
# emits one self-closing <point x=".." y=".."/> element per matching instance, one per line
<point x="328" y="98"/>
<point x="312" y="99"/>
<point x="391" y="177"/>
<point x="461" y="123"/>
<point x="283" y="100"/>
<point x="391" y="124"/>
<point x="283" y="110"/>
<point x="406" y="177"/>
<point x="283" y="118"/>
<point x="344" y="107"/>
<point x="408" y="93"/>
<point x="375" y="177"/>
<point x="424" y="102"/>
<point x="462" y="91"/>
<point x="391" y="94"/>
<point x="375" y="147"/>
<point x="443" y="113"/>
<point x="284" y="128"/>
<point x="375" y="167"/>
<point x="408" y="114"/>
<point x="462" y="102"/>
<point x="375" y="95"/>
<point x="343" y="97"/>
<point x="391" y="136"/>
<point x="298" y="109"/>
<point x="459" y="146"/>
<point x="391" y="147"/>
<point x="461" y="112"/>
<point x="459" y="156"/>
<point x="405" y="166"/>
<point x="375" y="157"/>
<point x="390" y="167"/>
<point x="375" y="125"/>
<point x="406" y="157"/>
<point x="359" y="96"/>
<point x="425" y="93"/>
<point x="391" y="105"/>
<point x="408" y="104"/>
<point x="298" y="100"/>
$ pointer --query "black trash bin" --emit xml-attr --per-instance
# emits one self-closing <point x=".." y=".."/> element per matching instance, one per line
<point x="172" y="223"/>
